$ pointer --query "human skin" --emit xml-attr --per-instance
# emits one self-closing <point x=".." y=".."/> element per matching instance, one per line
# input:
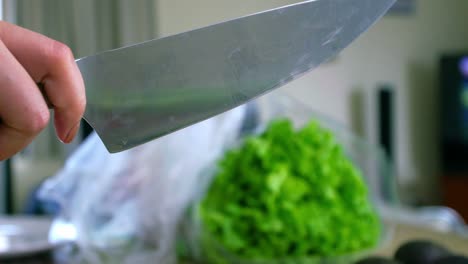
<point x="27" y="59"/>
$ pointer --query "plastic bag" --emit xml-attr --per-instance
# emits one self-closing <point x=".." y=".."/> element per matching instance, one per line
<point x="125" y="207"/>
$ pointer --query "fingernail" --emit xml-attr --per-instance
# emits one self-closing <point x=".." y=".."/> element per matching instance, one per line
<point x="72" y="133"/>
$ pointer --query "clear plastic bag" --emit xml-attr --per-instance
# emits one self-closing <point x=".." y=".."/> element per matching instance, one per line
<point x="369" y="159"/>
<point x="125" y="207"/>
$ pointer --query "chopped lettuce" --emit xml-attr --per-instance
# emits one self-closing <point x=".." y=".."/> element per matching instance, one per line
<point x="288" y="193"/>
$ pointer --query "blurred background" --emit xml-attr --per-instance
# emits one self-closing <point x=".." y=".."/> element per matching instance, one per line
<point x="400" y="85"/>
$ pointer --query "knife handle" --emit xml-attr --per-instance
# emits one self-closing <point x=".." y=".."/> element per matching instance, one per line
<point x="44" y="95"/>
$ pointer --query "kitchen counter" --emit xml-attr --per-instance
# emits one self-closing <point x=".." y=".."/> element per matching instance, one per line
<point x="403" y="232"/>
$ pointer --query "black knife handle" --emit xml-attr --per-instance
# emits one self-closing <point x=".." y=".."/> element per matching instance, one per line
<point x="44" y="95"/>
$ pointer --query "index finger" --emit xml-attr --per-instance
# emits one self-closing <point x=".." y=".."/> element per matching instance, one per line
<point x="52" y="64"/>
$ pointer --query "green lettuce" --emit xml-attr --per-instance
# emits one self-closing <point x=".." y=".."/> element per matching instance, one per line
<point x="289" y="193"/>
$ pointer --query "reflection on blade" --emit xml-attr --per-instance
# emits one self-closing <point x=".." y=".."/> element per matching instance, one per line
<point x="142" y="92"/>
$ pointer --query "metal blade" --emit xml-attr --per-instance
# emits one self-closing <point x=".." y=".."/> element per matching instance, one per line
<point x="138" y="93"/>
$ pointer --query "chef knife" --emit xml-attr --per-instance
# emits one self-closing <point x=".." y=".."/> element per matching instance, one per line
<point x="141" y="92"/>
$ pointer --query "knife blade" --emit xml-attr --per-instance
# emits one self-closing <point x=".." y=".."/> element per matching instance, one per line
<point x="141" y="92"/>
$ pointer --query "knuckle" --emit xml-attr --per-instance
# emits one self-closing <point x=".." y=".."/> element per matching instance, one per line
<point x="37" y="121"/>
<point x="60" y="53"/>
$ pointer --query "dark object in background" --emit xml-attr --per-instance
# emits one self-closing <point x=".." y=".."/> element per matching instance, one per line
<point x="454" y="130"/>
<point x="385" y="118"/>
<point x="377" y="260"/>
<point x="452" y="260"/>
<point x="454" y="113"/>
<point x="40" y="258"/>
<point x="8" y="187"/>
<point x="86" y="130"/>
<point x="420" y="252"/>
<point x="403" y="7"/>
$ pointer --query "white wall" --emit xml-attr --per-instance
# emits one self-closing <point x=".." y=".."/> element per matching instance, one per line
<point x="403" y="51"/>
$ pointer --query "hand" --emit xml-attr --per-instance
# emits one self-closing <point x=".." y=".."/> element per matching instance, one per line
<point x="26" y="60"/>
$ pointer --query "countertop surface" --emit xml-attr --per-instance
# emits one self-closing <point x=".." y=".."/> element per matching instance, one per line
<point x="403" y="233"/>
